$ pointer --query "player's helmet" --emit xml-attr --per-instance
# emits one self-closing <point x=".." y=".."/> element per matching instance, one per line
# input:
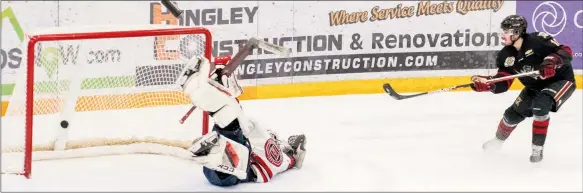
<point x="515" y="22"/>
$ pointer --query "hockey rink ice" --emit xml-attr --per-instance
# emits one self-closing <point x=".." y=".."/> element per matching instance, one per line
<point x="362" y="143"/>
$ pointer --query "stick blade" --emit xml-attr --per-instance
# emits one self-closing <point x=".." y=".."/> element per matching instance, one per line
<point x="389" y="90"/>
<point x="279" y="50"/>
<point x="251" y="44"/>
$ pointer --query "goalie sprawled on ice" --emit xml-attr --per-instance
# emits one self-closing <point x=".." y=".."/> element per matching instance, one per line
<point x="237" y="149"/>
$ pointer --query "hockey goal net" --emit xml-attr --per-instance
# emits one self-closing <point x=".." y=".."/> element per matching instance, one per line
<point x="95" y="91"/>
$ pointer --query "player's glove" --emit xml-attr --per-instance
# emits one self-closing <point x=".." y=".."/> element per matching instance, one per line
<point x="480" y="85"/>
<point x="549" y="66"/>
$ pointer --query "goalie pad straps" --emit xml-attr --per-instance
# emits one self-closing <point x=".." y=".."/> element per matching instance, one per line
<point x="224" y="155"/>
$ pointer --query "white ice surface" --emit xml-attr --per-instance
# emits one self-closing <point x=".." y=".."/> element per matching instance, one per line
<point x="362" y="143"/>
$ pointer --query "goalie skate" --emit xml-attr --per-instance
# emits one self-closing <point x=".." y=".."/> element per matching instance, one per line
<point x="298" y="151"/>
<point x="202" y="145"/>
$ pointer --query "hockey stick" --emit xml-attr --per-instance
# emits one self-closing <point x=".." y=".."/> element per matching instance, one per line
<point x="247" y="49"/>
<point x="238" y="58"/>
<point x="178" y="14"/>
<point x="173" y="9"/>
<point x="389" y="89"/>
<point x="187" y="114"/>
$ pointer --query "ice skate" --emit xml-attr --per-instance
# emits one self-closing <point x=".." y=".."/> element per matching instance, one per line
<point x="202" y="145"/>
<point x="298" y="143"/>
<point x="493" y="144"/>
<point x="537" y="154"/>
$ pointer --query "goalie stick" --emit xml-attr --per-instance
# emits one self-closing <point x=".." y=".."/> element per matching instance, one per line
<point x="247" y="49"/>
<point x="389" y="89"/>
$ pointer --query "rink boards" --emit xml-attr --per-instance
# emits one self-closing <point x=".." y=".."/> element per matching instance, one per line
<point x="337" y="47"/>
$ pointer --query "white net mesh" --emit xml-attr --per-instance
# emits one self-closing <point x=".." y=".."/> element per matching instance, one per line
<point x="111" y="87"/>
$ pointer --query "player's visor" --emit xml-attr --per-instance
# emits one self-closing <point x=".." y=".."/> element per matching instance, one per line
<point x="508" y="32"/>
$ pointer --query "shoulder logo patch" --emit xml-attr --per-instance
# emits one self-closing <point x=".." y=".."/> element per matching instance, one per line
<point x="509" y="61"/>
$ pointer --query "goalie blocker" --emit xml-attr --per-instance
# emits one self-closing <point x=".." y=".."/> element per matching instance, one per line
<point x="237" y="149"/>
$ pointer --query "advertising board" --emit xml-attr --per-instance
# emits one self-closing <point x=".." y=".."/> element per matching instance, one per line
<point x="346" y="47"/>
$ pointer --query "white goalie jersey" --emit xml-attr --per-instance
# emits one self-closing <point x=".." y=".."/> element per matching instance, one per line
<point x="269" y="155"/>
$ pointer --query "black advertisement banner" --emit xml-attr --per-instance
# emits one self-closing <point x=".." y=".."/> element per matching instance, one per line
<point x="362" y="63"/>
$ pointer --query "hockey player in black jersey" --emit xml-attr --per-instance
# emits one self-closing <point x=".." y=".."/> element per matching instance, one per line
<point x="543" y="93"/>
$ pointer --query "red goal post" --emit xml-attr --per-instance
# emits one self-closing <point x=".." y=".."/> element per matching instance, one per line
<point x="94" y="91"/>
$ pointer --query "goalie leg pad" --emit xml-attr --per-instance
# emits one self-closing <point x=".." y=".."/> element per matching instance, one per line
<point x="223" y="108"/>
<point x="208" y="94"/>
<point x="225" y="155"/>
